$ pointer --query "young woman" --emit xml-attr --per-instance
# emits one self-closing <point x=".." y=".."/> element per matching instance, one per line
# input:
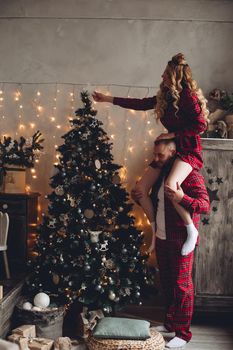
<point x="181" y="108"/>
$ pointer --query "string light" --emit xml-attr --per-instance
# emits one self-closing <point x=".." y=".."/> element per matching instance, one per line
<point x="54" y="126"/>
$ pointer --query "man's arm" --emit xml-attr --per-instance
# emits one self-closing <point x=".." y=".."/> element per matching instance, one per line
<point x="195" y="199"/>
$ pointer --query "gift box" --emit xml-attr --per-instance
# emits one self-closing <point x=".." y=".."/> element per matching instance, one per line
<point x="18" y="339"/>
<point x="26" y="331"/>
<point x="62" y="343"/>
<point x="40" y="344"/>
<point x="87" y="321"/>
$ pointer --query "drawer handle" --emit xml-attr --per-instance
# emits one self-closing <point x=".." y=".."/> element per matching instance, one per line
<point x="5" y="206"/>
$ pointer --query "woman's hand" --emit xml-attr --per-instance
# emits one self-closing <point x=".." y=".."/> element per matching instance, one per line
<point x="174" y="195"/>
<point x="168" y="135"/>
<point x="99" y="97"/>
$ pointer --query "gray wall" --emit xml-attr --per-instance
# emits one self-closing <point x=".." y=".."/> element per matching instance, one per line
<point x="118" y="46"/>
<point x="122" y="42"/>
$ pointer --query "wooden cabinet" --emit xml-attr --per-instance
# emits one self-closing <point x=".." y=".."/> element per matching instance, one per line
<point x="23" y="213"/>
<point x="213" y="269"/>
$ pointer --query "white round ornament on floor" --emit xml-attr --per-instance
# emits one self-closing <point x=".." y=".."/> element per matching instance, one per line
<point x="41" y="300"/>
<point x="27" y="305"/>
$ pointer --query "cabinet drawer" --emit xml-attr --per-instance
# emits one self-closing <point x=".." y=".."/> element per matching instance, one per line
<point x="13" y="206"/>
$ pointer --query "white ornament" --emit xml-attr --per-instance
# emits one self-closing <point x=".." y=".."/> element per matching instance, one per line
<point x="36" y="308"/>
<point x="27" y="306"/>
<point x="41" y="300"/>
<point x="94" y="236"/>
<point x="111" y="295"/>
<point x="97" y="164"/>
<point x="52" y="223"/>
<point x="104" y="246"/>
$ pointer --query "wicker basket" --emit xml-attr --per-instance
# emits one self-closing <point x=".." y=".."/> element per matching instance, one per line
<point x="48" y="323"/>
<point x="155" y="342"/>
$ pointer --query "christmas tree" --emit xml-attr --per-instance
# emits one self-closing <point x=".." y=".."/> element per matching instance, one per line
<point x="88" y="247"/>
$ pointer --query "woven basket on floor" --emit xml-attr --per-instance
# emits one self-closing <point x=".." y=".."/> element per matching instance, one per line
<point x="155" y="342"/>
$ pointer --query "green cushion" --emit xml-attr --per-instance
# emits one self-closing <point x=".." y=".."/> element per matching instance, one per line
<point x="122" y="328"/>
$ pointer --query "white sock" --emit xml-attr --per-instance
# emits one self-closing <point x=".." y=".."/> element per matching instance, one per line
<point x="191" y="240"/>
<point x="176" y="343"/>
<point x="162" y="329"/>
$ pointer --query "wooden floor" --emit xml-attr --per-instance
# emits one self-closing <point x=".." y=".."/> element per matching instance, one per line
<point x="210" y="331"/>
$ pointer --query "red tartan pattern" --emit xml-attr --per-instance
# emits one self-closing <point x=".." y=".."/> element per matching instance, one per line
<point x="187" y="124"/>
<point x="195" y="200"/>
<point x="176" y="281"/>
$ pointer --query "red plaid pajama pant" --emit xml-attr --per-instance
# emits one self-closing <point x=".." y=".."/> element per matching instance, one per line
<point x="176" y="280"/>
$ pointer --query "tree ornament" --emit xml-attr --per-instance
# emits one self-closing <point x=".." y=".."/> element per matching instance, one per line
<point x="89" y="213"/>
<point x="104" y="246"/>
<point x="111" y="295"/>
<point x="27" y="305"/>
<point x="56" y="279"/>
<point x="41" y="300"/>
<point x="87" y="268"/>
<point x="94" y="236"/>
<point x="98" y="287"/>
<point x="52" y="223"/>
<point x="116" y="180"/>
<point x="97" y="164"/>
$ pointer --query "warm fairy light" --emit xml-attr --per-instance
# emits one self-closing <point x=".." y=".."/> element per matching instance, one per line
<point x="55" y="163"/>
<point x="37" y="160"/>
<point x="21" y="106"/>
<point x="123" y="173"/>
<point x="130" y="149"/>
<point x="3" y="117"/>
<point x="16" y="98"/>
<point x="148" y="121"/>
<point x="57" y="156"/>
<point x="71" y="94"/>
<point x="21" y="126"/>
<point x="129" y="128"/>
<point x="112" y="136"/>
<point x="56" y="146"/>
<point x="27" y="188"/>
<point x="1" y="92"/>
<point x="1" y="98"/>
<point x="33" y="170"/>
<point x="132" y="111"/>
<point x="58" y="126"/>
<point x="32" y="125"/>
<point x="34" y="177"/>
<point x="38" y="93"/>
<point x="52" y="119"/>
<point x="150" y="132"/>
<point x="58" y="91"/>
<point x="54" y="107"/>
<point x="39" y="108"/>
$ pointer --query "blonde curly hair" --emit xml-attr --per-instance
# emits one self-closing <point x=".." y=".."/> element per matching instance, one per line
<point x="176" y="76"/>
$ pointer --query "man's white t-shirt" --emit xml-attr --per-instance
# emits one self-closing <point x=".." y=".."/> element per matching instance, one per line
<point x="160" y="217"/>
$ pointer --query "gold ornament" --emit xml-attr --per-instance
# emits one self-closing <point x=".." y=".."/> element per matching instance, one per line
<point x="116" y="180"/>
<point x="89" y="213"/>
<point x="56" y="279"/>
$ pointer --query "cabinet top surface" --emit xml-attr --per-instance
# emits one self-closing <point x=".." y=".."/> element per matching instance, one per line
<point x="217" y="144"/>
<point x="20" y="195"/>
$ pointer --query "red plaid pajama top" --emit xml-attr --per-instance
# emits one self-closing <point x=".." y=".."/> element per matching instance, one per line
<point x="195" y="200"/>
<point x="187" y="124"/>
